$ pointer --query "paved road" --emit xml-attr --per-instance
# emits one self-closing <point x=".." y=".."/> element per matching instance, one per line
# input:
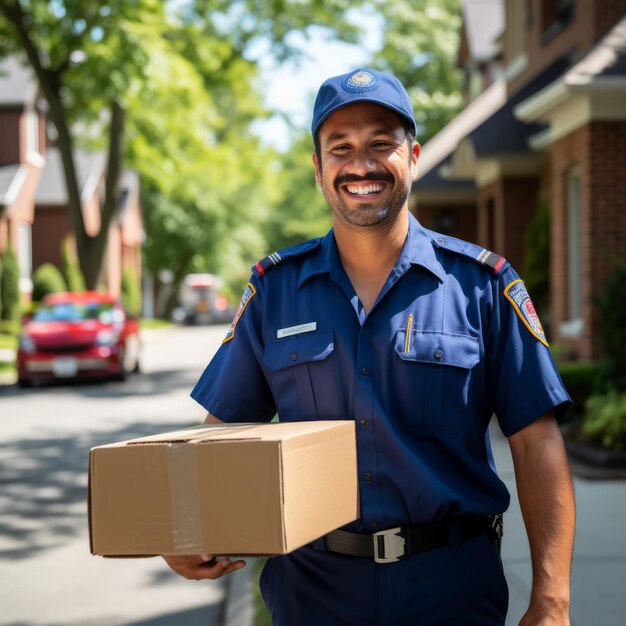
<point x="47" y="575"/>
<point x="599" y="566"/>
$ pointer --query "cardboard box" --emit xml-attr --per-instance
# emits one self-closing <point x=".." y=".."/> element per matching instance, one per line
<point x="238" y="489"/>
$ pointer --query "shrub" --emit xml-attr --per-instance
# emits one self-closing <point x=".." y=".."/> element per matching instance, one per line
<point x="131" y="292"/>
<point x="536" y="269"/>
<point x="580" y="380"/>
<point x="611" y="304"/>
<point x="10" y="287"/>
<point x="605" y="420"/>
<point x="47" y="279"/>
<point x="71" y="269"/>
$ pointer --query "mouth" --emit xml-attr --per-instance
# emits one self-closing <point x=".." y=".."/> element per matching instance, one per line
<point x="364" y="191"/>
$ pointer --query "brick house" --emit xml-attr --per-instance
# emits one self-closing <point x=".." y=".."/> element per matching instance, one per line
<point x="545" y="121"/>
<point x="22" y="144"/>
<point x="33" y="199"/>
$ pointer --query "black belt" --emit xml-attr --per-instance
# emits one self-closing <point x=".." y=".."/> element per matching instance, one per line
<point x="393" y="544"/>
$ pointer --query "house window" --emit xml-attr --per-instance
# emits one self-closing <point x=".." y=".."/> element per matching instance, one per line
<point x="573" y="327"/>
<point x="555" y="16"/>
<point x="24" y="257"/>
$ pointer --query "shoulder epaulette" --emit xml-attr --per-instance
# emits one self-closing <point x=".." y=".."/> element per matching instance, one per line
<point x="272" y="260"/>
<point x="490" y="260"/>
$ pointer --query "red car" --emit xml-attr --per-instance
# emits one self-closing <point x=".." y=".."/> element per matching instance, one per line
<point x="76" y="335"/>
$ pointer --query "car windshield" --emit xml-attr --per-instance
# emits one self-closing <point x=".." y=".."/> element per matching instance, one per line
<point x="76" y="312"/>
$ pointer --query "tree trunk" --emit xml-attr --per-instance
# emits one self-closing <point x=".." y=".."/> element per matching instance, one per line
<point x="90" y="250"/>
<point x="96" y="246"/>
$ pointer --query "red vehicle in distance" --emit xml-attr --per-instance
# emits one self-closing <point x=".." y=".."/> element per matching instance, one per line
<point x="76" y="335"/>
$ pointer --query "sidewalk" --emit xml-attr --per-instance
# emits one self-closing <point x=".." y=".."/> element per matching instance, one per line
<point x="599" y="570"/>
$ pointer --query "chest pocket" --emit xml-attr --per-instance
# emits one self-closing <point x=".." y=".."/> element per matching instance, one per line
<point x="436" y="367"/>
<point x="301" y="371"/>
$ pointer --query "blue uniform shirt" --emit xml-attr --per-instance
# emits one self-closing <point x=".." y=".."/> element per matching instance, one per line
<point x="447" y="344"/>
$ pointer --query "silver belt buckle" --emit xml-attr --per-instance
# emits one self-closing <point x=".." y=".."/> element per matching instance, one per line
<point x="388" y="545"/>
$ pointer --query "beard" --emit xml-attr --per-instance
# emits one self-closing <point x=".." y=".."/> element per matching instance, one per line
<point x="368" y="215"/>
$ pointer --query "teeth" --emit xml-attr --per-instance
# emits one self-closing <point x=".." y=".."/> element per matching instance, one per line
<point x="363" y="191"/>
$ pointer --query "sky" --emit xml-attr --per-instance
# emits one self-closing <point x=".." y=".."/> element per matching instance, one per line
<point x="291" y="88"/>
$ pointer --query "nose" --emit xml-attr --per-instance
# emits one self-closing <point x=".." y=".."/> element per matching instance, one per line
<point x="362" y="163"/>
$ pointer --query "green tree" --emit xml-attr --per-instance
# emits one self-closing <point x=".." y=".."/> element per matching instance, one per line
<point x="47" y="279"/>
<point x="90" y="57"/>
<point x="10" y="287"/>
<point x="420" y="46"/>
<point x="301" y="211"/>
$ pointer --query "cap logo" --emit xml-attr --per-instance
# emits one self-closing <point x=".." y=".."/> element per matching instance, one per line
<point x="360" y="81"/>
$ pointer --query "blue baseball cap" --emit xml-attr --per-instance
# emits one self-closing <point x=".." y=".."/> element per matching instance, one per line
<point x="362" y="85"/>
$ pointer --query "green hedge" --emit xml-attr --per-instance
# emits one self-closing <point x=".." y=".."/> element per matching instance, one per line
<point x="580" y="379"/>
<point x="10" y="288"/>
<point x="47" y="279"/>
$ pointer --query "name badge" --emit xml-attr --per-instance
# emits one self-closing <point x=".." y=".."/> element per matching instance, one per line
<point x="296" y="330"/>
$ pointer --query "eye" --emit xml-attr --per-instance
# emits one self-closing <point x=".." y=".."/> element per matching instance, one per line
<point x="382" y="145"/>
<point x="340" y="149"/>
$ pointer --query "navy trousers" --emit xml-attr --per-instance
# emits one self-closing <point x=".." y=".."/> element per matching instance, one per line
<point x="462" y="585"/>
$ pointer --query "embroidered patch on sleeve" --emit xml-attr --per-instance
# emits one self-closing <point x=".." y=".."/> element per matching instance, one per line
<point x="247" y="296"/>
<point x="517" y="295"/>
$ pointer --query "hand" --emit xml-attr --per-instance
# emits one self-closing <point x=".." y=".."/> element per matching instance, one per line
<point x="202" y="566"/>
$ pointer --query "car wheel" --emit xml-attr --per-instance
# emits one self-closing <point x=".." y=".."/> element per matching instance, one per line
<point x="24" y="383"/>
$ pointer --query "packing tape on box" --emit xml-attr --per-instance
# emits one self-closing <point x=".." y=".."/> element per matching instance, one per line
<point x="185" y="498"/>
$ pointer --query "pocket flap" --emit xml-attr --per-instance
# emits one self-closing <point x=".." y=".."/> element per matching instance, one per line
<point x="426" y="346"/>
<point x="298" y="349"/>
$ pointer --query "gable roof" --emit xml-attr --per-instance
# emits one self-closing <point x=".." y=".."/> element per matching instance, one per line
<point x="602" y="68"/>
<point x="17" y="83"/>
<point x="89" y="170"/>
<point x="483" y="21"/>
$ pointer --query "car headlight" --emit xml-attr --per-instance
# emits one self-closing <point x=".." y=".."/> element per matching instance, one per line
<point x="106" y="337"/>
<point x="27" y="344"/>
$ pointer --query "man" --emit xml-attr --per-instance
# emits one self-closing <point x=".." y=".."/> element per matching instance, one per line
<point x="419" y="338"/>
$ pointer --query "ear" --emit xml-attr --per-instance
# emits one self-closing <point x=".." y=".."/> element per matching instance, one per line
<point x="415" y="155"/>
<point x="318" y="172"/>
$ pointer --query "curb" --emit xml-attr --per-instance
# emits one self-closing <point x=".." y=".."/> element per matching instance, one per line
<point x="238" y="600"/>
<point x="593" y="463"/>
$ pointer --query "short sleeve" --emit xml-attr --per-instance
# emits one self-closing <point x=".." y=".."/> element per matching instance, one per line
<point x="523" y="380"/>
<point x="233" y="387"/>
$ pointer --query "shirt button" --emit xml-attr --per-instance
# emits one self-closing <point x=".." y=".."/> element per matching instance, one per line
<point x="438" y="354"/>
<point x="441" y="240"/>
<point x="364" y="423"/>
<point x="368" y="476"/>
<point x="365" y="371"/>
<point x="293" y="356"/>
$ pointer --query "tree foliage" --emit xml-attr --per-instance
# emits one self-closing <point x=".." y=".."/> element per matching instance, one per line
<point x="420" y="46"/>
<point x="172" y="88"/>
<point x="94" y="61"/>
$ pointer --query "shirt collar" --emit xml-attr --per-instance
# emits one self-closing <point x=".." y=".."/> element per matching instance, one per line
<point x="418" y="250"/>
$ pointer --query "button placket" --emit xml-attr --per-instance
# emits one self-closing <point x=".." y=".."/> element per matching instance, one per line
<point x="363" y="393"/>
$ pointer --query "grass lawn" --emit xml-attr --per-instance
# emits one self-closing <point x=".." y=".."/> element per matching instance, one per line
<point x="8" y="342"/>
<point x="153" y="322"/>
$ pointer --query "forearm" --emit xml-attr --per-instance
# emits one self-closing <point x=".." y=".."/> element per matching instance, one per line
<point x="547" y="502"/>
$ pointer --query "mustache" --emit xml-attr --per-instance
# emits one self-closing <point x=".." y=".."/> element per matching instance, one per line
<point x="342" y="179"/>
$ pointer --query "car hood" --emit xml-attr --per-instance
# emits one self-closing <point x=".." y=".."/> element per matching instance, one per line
<point x="64" y="333"/>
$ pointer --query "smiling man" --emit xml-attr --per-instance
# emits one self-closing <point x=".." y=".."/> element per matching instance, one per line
<point x="420" y="339"/>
